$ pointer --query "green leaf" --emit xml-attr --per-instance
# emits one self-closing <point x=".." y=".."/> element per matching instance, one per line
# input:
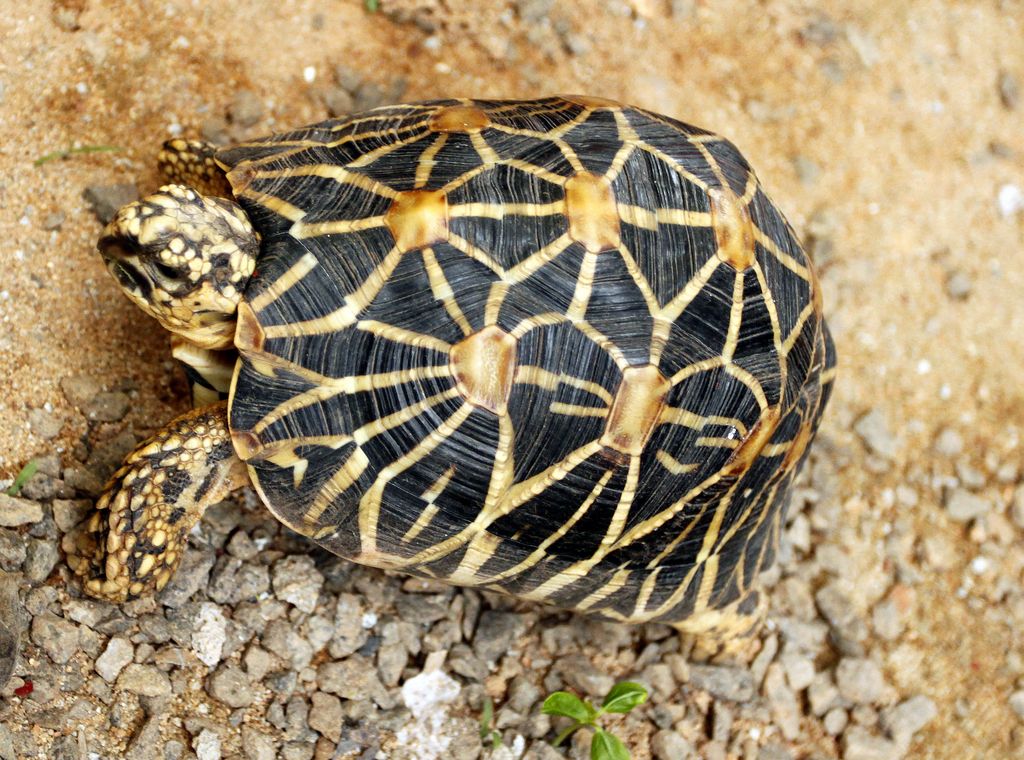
<point x="624" y="697"/>
<point x="486" y="718"/>
<point x="606" y="746"/>
<point x="372" y="6"/>
<point x="569" y="705"/>
<point x="23" y="477"/>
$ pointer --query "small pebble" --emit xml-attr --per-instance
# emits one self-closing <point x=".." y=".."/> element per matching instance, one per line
<point x="859" y="680"/>
<point x="15" y="511"/>
<point x="958" y="285"/>
<point x="910" y="716"/>
<point x="1009" y="90"/>
<point x="144" y="680"/>
<point x="297" y="581"/>
<point x="231" y="686"/>
<point x="56" y="636"/>
<point x="963" y="506"/>
<point x="105" y="200"/>
<point x="1011" y="200"/>
<point x="326" y="716"/>
<point x="115" y="657"/>
<point x="246" y="108"/>
<point x="860" y="744"/>
<point x="736" y="684"/>
<point x="669" y="745"/>
<point x="873" y="429"/>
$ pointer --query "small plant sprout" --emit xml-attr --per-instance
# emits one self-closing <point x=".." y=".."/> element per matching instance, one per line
<point x="23" y="477"/>
<point x="487" y="730"/>
<point x="75" y="150"/>
<point x="622" y="698"/>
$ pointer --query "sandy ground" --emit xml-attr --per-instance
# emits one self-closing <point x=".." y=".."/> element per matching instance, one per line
<point x="879" y="128"/>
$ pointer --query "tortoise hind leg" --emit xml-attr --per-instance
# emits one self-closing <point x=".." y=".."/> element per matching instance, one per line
<point x="726" y="630"/>
<point x="134" y="541"/>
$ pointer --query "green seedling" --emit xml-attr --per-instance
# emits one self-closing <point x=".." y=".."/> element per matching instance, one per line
<point x="487" y="730"/>
<point x="23" y="477"/>
<point x="622" y="698"/>
<point x="372" y="6"/>
<point x="74" y="151"/>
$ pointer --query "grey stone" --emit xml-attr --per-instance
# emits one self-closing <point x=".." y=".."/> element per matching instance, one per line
<point x="105" y="200"/>
<point x="1016" y="702"/>
<point x="964" y="506"/>
<point x="841" y="614"/>
<point x="41" y="556"/>
<point x="191" y="575"/>
<point x="325" y="716"/>
<point x="78" y="389"/>
<point x="799" y="669"/>
<point x="782" y="702"/>
<point x="421" y="608"/>
<point x="774" y="751"/>
<point x="207" y="745"/>
<point x="579" y="674"/>
<point x="231" y="686"/>
<point x="115" y="657"/>
<point x="669" y="745"/>
<point x="258" y="662"/>
<point x="736" y="684"/>
<point x="911" y="715"/>
<point x="107" y="406"/>
<point x="15" y="511"/>
<point x="822" y="694"/>
<point x="859" y="680"/>
<point x="241" y="545"/>
<point x="297" y="581"/>
<point x="354" y="678"/>
<point x="886" y="620"/>
<point x="44" y="424"/>
<point x="338" y="101"/>
<point x="246" y="108"/>
<point x="391" y="661"/>
<point x="284" y="641"/>
<point x="873" y="430"/>
<point x="56" y="636"/>
<point x="233" y="581"/>
<point x="835" y="721"/>
<point x="495" y="633"/>
<point x="145" y="740"/>
<point x="53" y="220"/>
<point x="144" y="680"/>
<point x="959" y="285"/>
<point x="860" y="744"/>
<point x="349" y="634"/>
<point x="257" y="745"/>
<point x="67" y="513"/>
<point x="533" y="11"/>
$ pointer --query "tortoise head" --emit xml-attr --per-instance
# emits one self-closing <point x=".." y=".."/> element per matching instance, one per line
<point x="184" y="259"/>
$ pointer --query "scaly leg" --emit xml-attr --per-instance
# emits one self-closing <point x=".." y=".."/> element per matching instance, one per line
<point x="134" y="541"/>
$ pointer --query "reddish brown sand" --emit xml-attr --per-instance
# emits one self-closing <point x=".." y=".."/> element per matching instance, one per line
<point x="894" y="129"/>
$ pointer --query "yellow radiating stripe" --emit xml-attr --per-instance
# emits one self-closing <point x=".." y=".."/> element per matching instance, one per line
<point x="348" y="313"/>
<point x="369" y="504"/>
<point x="443" y="291"/>
<point x="674" y="165"/>
<point x="376" y="154"/>
<point x="638" y="277"/>
<point x="485" y="151"/>
<point x="829" y="375"/>
<point x="619" y="161"/>
<point x="646" y="589"/>
<point x="712" y="162"/>
<point x="533" y="375"/>
<point x="341" y="481"/>
<point x="430" y="511"/>
<point x="719" y="442"/>
<point x="604" y="342"/>
<point x="614" y="583"/>
<point x="696" y="368"/>
<point x="339" y="174"/>
<point x="541" y="551"/>
<point x="302" y="231"/>
<point x="732" y="336"/>
<point x="649" y="219"/>
<point x="425" y="165"/>
<point x="330" y="387"/>
<point x="495" y="298"/>
<point x="537" y="171"/>
<point x="501" y="210"/>
<point x="673" y="415"/>
<point x="461" y="244"/>
<point x="535" y="261"/>
<point x="669" y="313"/>
<point x="288" y="279"/>
<point x="275" y="204"/>
<point x="751" y="382"/>
<point x="575" y="410"/>
<point x="626" y="132"/>
<point x="401" y="335"/>
<point x="784" y="258"/>
<point x="773" y="316"/>
<point x="465" y="178"/>
<point x="749" y="190"/>
<point x="537" y="321"/>
<point x="805" y="314"/>
<point x="584" y="286"/>
<point x="673" y="465"/>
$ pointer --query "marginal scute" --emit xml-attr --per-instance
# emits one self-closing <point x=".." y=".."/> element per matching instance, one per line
<point x="249" y="335"/>
<point x="247" y="444"/>
<point x="460" y="119"/>
<point x="636" y="409"/>
<point x="484" y="365"/>
<point x="734" y="231"/>
<point x="593" y="215"/>
<point x="591" y="101"/>
<point x="751" y="446"/>
<point x="418" y="218"/>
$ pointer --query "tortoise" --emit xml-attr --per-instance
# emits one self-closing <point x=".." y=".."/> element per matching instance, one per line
<point x="562" y="349"/>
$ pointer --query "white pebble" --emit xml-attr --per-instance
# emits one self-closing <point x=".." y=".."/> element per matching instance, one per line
<point x="1011" y="200"/>
<point x="979" y="565"/>
<point x="924" y="367"/>
<point x="210" y="634"/>
<point x="309" y="74"/>
<point x="369" y="620"/>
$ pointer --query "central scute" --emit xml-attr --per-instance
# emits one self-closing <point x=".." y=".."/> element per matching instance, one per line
<point x="519" y="345"/>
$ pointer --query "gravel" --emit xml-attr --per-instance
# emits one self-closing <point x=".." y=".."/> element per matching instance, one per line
<point x="859" y="680"/>
<point x="964" y="506"/>
<point x="119" y="652"/>
<point x="105" y="200"/>
<point x="231" y="686"/>
<point x="15" y="512"/>
<point x="736" y="684"/>
<point x="144" y="680"/>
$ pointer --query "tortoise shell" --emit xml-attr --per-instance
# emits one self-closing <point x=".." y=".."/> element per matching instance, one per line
<point x="563" y="349"/>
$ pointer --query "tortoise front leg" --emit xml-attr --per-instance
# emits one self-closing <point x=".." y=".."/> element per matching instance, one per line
<point x="134" y="541"/>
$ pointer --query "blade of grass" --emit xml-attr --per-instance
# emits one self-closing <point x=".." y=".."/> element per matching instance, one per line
<point x="74" y="151"/>
<point x="23" y="477"/>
